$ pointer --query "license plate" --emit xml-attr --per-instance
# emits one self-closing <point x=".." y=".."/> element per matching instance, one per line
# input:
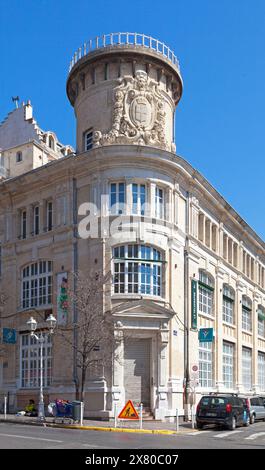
<point x="210" y="414"/>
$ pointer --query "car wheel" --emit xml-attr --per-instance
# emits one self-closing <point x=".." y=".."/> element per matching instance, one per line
<point x="232" y="425"/>
<point x="252" y="419"/>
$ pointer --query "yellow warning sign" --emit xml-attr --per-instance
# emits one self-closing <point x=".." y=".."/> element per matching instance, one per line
<point x="128" y="412"/>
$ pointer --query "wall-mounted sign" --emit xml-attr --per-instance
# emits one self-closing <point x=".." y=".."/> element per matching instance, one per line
<point x="9" y="336"/>
<point x="62" y="298"/>
<point x="206" y="335"/>
<point x="194" y="304"/>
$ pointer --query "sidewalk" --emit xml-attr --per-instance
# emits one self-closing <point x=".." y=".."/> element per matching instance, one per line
<point x="149" y="426"/>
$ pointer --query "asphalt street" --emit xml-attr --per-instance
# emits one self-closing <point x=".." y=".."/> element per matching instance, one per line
<point x="18" y="436"/>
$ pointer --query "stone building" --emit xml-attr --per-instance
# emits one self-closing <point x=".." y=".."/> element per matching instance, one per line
<point x="187" y="268"/>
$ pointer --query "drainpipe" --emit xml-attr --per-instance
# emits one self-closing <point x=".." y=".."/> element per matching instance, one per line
<point x="186" y="316"/>
<point x="75" y="270"/>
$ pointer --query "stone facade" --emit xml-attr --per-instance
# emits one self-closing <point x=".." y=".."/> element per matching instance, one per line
<point x="125" y="96"/>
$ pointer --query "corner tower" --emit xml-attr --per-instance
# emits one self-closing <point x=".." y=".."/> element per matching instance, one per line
<point x="124" y="88"/>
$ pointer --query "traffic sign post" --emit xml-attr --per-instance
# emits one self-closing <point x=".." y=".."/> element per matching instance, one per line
<point x="128" y="412"/>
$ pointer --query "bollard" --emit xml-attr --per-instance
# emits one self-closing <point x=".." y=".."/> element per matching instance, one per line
<point x="115" y="415"/>
<point x="5" y="406"/>
<point x="177" y="420"/>
<point x="192" y="417"/>
<point x="141" y="416"/>
<point x="81" y="413"/>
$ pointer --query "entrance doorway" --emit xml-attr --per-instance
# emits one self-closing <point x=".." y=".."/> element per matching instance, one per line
<point x="137" y="371"/>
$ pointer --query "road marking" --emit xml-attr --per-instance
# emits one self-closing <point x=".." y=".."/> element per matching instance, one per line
<point x="198" y="433"/>
<point x="93" y="446"/>
<point x="33" y="438"/>
<point x="254" y="436"/>
<point x="226" y="434"/>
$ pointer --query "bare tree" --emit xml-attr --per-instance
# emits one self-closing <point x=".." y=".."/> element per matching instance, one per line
<point x="94" y="340"/>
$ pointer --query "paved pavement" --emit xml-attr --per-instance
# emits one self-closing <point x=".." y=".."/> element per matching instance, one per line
<point x="15" y="436"/>
<point x="149" y="425"/>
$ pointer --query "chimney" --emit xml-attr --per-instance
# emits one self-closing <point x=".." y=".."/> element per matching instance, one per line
<point x="28" y="111"/>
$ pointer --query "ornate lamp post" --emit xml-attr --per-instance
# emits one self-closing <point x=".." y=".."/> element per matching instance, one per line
<point x="51" y="321"/>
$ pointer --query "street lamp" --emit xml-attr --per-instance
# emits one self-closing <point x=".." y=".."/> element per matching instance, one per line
<point x="51" y="320"/>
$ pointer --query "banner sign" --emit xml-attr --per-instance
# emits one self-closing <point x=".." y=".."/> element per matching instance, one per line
<point x="62" y="298"/>
<point x="194" y="304"/>
<point x="206" y="335"/>
<point x="9" y="336"/>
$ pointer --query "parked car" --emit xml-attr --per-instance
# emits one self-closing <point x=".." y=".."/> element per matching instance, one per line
<point x="256" y="406"/>
<point x="224" y="410"/>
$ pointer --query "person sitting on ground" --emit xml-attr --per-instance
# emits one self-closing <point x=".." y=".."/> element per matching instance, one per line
<point x="30" y="409"/>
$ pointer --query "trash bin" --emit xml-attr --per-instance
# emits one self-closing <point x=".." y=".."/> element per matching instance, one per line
<point x="76" y="410"/>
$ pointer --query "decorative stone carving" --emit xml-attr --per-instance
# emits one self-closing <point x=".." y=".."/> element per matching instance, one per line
<point x="138" y="114"/>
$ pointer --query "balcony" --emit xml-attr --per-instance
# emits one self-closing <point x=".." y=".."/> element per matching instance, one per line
<point x="124" y="39"/>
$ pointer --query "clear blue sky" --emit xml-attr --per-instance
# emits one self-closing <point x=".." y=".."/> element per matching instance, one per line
<point x="220" y="121"/>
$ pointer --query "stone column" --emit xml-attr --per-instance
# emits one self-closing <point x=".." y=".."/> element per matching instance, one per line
<point x="255" y="381"/>
<point x="218" y="342"/>
<point x="163" y="372"/>
<point x="238" y="347"/>
<point x="153" y="199"/>
<point x="118" y="392"/>
<point x="220" y="249"/>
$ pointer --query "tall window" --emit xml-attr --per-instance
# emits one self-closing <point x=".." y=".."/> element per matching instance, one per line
<point x="117" y="198"/>
<point x="49" y="215"/>
<point x="228" y="364"/>
<point x="261" y="321"/>
<point x="30" y="361"/>
<point x="89" y="139"/>
<point x="261" y="370"/>
<point x="0" y="260"/>
<point x="206" y="364"/>
<point x="36" y="220"/>
<point x="137" y="270"/>
<point x="206" y="291"/>
<point x="37" y="284"/>
<point x="246" y="314"/>
<point x="228" y="304"/>
<point x="24" y="225"/>
<point x="19" y="157"/>
<point x="138" y="198"/>
<point x="159" y="203"/>
<point x="247" y="368"/>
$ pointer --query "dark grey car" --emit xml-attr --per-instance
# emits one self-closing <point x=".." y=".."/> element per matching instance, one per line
<point x="224" y="410"/>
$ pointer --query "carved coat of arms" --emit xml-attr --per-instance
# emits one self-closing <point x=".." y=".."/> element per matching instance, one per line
<point x="138" y="114"/>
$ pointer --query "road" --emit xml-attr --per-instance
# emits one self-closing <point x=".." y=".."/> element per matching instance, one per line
<point x="17" y="436"/>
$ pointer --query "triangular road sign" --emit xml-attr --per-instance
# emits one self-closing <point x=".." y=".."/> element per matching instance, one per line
<point x="128" y="412"/>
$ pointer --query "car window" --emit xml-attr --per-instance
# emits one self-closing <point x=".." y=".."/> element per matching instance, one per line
<point x="261" y="401"/>
<point x="206" y="401"/>
<point x="254" y="401"/>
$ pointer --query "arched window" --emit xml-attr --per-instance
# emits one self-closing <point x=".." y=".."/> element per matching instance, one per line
<point x="228" y="304"/>
<point x="37" y="284"/>
<point x="206" y="291"/>
<point x="261" y="321"/>
<point x="246" y="314"/>
<point x="51" y="142"/>
<point x="137" y="270"/>
<point x="19" y="157"/>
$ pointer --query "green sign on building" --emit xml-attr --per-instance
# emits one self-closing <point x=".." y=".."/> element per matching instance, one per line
<point x="194" y="304"/>
<point x="206" y="335"/>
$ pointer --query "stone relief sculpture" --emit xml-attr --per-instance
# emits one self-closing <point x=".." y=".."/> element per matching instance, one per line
<point x="138" y="114"/>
